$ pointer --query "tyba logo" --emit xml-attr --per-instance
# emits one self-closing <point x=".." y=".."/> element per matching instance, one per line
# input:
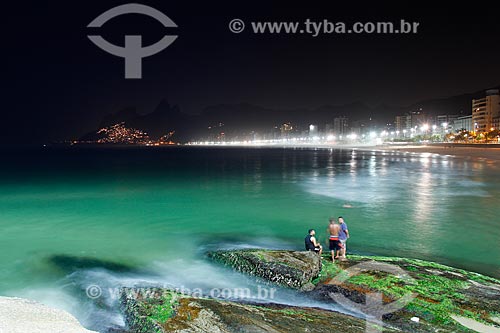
<point x="133" y="51"/>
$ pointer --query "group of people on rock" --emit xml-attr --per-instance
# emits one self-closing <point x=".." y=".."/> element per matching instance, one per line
<point x="337" y="235"/>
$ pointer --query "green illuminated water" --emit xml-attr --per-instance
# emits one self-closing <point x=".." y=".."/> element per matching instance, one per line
<point x="159" y="209"/>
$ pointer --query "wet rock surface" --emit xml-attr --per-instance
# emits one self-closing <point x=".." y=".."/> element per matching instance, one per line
<point x="437" y="292"/>
<point x="439" y="295"/>
<point x="189" y="314"/>
<point x="292" y="269"/>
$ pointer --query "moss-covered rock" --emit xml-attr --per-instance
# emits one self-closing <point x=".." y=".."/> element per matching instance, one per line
<point x="440" y="292"/>
<point x="144" y="307"/>
<point x="440" y="295"/>
<point x="191" y="314"/>
<point x="292" y="269"/>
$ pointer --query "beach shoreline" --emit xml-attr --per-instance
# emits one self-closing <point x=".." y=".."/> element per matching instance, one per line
<point x="481" y="152"/>
<point x="489" y="152"/>
<point x="472" y="151"/>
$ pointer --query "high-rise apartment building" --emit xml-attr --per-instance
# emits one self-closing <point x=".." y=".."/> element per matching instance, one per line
<point x="484" y="110"/>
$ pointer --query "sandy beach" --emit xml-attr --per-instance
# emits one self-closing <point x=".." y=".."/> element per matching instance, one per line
<point x="19" y="315"/>
<point x="491" y="152"/>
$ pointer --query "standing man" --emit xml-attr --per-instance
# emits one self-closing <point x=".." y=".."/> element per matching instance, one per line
<point x="311" y="242"/>
<point x="343" y="236"/>
<point x="335" y="245"/>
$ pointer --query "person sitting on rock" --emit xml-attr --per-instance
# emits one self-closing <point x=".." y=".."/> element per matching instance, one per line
<point x="311" y="242"/>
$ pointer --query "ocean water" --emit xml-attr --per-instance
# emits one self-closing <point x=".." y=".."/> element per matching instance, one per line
<point x="72" y="217"/>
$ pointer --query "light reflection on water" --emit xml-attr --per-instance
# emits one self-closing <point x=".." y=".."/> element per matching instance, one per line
<point x="414" y="203"/>
<point x="150" y="206"/>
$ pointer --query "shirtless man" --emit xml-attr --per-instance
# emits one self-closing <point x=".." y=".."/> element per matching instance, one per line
<point x="335" y="245"/>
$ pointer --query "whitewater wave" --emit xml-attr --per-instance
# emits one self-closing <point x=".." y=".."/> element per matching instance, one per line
<point x="184" y="274"/>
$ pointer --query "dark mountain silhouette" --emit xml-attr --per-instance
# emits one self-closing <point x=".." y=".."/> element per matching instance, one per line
<point x="240" y="120"/>
<point x="461" y="104"/>
<point x="162" y="120"/>
<point x="124" y="115"/>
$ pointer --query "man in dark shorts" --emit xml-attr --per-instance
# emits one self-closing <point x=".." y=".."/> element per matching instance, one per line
<point x="311" y="242"/>
<point x="335" y="244"/>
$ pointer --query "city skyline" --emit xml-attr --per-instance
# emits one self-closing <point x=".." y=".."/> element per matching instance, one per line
<point x="62" y="85"/>
<point x="421" y="124"/>
<point x="263" y="122"/>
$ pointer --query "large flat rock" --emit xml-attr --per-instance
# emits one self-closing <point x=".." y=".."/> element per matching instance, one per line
<point x="435" y="294"/>
<point x="19" y="315"/>
<point x="293" y="269"/>
<point x="167" y="311"/>
<point x="440" y="293"/>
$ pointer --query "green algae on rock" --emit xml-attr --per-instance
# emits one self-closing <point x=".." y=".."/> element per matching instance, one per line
<point x="292" y="269"/>
<point x="193" y="314"/>
<point x="438" y="292"/>
<point x="441" y="292"/>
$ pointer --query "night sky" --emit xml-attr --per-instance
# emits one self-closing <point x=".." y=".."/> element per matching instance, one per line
<point x="59" y="84"/>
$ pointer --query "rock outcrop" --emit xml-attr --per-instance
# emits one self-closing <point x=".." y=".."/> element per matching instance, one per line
<point x="19" y="315"/>
<point x="438" y="292"/>
<point x="292" y="269"/>
<point x="167" y="311"/>
<point x="443" y="299"/>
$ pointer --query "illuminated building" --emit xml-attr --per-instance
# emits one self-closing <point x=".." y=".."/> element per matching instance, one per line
<point x="484" y="110"/>
<point x="341" y="125"/>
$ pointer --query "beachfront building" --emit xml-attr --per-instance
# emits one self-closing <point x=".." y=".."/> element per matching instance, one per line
<point x="445" y="119"/>
<point x="313" y="131"/>
<point x="410" y="122"/>
<point x="484" y="110"/>
<point x="329" y="131"/>
<point x="416" y="119"/>
<point x="286" y="130"/>
<point x="358" y="127"/>
<point x="496" y="123"/>
<point x="341" y="126"/>
<point x="400" y="123"/>
<point x="462" y="123"/>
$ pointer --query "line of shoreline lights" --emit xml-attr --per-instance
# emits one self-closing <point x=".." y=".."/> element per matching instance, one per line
<point x="372" y="138"/>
